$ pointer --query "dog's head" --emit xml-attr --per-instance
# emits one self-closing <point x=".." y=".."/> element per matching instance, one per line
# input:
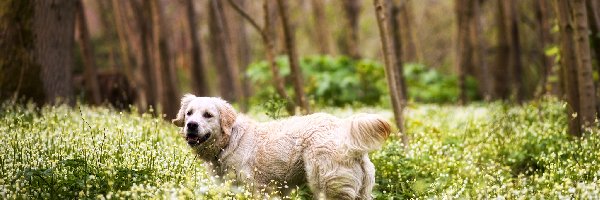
<point x="206" y="121"/>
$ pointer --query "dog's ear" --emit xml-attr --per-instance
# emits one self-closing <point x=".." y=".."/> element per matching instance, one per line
<point x="180" y="118"/>
<point x="227" y="115"/>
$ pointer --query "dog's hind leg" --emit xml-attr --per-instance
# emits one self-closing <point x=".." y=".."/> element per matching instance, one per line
<point x="329" y="179"/>
<point x="368" y="178"/>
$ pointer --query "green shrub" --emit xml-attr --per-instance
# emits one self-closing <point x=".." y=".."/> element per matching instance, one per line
<point x="328" y="81"/>
<point x="340" y="81"/>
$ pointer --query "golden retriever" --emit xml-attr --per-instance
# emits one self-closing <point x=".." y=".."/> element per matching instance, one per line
<point x="327" y="153"/>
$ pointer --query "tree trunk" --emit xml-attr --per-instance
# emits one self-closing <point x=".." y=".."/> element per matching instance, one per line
<point x="290" y="43"/>
<point x="20" y="77"/>
<point x="464" y="53"/>
<point x="199" y="81"/>
<point x="53" y="27"/>
<point x="244" y="51"/>
<point x="230" y="84"/>
<point x="393" y="76"/>
<point x="321" y="27"/>
<point x="398" y="42"/>
<point x="89" y="61"/>
<point x="502" y="70"/>
<point x="144" y="75"/>
<point x="352" y="10"/>
<point x="593" y="7"/>
<point x="586" y="88"/>
<point x="515" y="49"/>
<point x="126" y="39"/>
<point x="407" y="32"/>
<point x="169" y="94"/>
<point x="478" y="55"/>
<point x="546" y="61"/>
<point x="568" y="63"/>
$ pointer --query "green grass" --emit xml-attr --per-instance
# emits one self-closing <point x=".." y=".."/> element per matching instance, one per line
<point x="478" y="151"/>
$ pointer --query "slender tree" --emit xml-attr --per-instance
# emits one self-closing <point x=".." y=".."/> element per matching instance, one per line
<point x="481" y="69"/>
<point x="127" y="41"/>
<point x="464" y="13"/>
<point x="199" y="81"/>
<point x="20" y="77"/>
<point x="53" y="27"/>
<point x="89" y="61"/>
<point x="398" y="41"/>
<point x="352" y="9"/>
<point x="575" y="64"/>
<point x="267" y="39"/>
<point x="140" y="36"/>
<point x="290" y="43"/>
<point x="515" y="52"/>
<point x="243" y="49"/>
<point x="393" y="76"/>
<point x="321" y="26"/>
<point x="586" y="88"/>
<point x="542" y="17"/>
<point x="502" y="80"/>
<point x="408" y="36"/>
<point x="228" y="75"/>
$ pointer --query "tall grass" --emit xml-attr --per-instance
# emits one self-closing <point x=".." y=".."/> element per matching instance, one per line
<point x="479" y="151"/>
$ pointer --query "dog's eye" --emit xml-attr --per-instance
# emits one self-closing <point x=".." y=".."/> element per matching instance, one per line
<point x="189" y="113"/>
<point x="207" y="115"/>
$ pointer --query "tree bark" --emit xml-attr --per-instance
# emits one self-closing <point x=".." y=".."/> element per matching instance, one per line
<point x="244" y="51"/>
<point x="501" y="71"/>
<point x="478" y="55"/>
<point x="89" y="61"/>
<point x="126" y="38"/>
<point x="144" y="75"/>
<point x="199" y="81"/>
<point x="464" y="54"/>
<point x="165" y="73"/>
<point x="593" y="7"/>
<point x="290" y="43"/>
<point x="398" y="42"/>
<point x="321" y="27"/>
<point x="228" y="77"/>
<point x="393" y="76"/>
<point x="546" y="61"/>
<point x="569" y="65"/>
<point x="586" y="88"/>
<point x="53" y="27"/>
<point x="407" y="32"/>
<point x="515" y="50"/>
<point x="352" y="9"/>
<point x="20" y="77"/>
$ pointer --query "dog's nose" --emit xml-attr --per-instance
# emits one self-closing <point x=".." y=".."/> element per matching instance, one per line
<point x="192" y="126"/>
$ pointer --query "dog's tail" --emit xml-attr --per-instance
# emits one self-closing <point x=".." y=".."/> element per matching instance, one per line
<point x="367" y="132"/>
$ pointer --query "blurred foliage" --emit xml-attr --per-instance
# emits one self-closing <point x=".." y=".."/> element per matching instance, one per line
<point x="341" y="81"/>
<point x="488" y="152"/>
<point x="482" y="151"/>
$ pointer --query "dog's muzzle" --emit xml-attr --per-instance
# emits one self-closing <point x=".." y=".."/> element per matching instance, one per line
<point x="194" y="140"/>
<point x="192" y="136"/>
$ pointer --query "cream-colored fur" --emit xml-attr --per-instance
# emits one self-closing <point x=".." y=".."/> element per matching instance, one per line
<point x="327" y="153"/>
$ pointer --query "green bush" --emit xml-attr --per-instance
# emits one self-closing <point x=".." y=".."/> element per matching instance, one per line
<point x="328" y="81"/>
<point x="340" y="81"/>
<point x="428" y="85"/>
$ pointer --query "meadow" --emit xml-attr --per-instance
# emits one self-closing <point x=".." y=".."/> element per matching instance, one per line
<point x="480" y="151"/>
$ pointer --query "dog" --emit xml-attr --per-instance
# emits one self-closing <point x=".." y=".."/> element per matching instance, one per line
<point x="327" y="153"/>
